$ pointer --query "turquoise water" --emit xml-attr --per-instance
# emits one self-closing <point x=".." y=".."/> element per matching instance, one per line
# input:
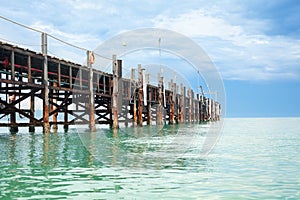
<point x="254" y="159"/>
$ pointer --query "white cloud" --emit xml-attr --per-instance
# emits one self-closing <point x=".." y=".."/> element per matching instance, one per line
<point x="241" y="51"/>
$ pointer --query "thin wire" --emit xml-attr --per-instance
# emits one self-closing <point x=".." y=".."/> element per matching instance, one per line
<point x="60" y="40"/>
<point x="10" y="41"/>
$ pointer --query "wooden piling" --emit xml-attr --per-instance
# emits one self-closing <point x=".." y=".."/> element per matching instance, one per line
<point x="32" y="110"/>
<point x="90" y="61"/>
<point x="53" y="107"/>
<point x="13" y="125"/>
<point x="46" y="125"/>
<point x="159" y="108"/>
<point x="115" y="103"/>
<point x="149" y="107"/>
<point x="141" y="97"/>
<point x="133" y="93"/>
<point x="172" y="107"/>
<point x="66" y="125"/>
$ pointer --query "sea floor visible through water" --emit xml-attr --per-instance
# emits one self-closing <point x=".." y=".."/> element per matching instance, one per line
<point x="255" y="158"/>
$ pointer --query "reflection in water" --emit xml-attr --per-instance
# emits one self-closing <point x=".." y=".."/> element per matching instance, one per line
<point x="82" y="164"/>
<point x="131" y="164"/>
<point x="141" y="146"/>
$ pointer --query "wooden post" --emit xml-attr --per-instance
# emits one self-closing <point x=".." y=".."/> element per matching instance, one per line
<point x="90" y="61"/>
<point x="59" y="75"/>
<point x="115" y="102"/>
<point x="181" y="105"/>
<point x="30" y="80"/>
<point x="54" y="107"/>
<point x="172" y="108"/>
<point x="159" y="109"/>
<point x="134" y="97"/>
<point x="13" y="125"/>
<point x="71" y="76"/>
<point x="140" y="99"/>
<point x="192" y="107"/>
<point x="66" y="126"/>
<point x="198" y="113"/>
<point x="149" y="111"/>
<point x="46" y="124"/>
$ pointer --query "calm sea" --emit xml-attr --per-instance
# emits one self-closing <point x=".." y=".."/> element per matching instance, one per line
<point x="255" y="158"/>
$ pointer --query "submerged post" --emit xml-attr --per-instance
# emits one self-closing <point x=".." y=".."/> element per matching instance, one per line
<point x="46" y="125"/>
<point x="90" y="61"/>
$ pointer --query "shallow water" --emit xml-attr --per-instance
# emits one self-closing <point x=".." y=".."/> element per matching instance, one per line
<point x="254" y="159"/>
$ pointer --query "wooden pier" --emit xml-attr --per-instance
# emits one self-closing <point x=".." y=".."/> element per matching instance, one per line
<point x="67" y="92"/>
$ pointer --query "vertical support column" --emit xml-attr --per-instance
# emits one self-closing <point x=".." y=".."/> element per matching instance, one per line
<point x="159" y="109"/>
<point x="172" y="108"/>
<point x="46" y="125"/>
<point x="182" y="103"/>
<point x="90" y="61"/>
<point x="198" y="108"/>
<point x="12" y="98"/>
<point x="149" y="111"/>
<point x="133" y="89"/>
<point x="54" y="99"/>
<point x="189" y="106"/>
<point x="192" y="106"/>
<point x="59" y="75"/>
<point x="30" y="80"/>
<point x="208" y="109"/>
<point x="141" y="98"/>
<point x="115" y="102"/>
<point x="66" y="126"/>
<point x="70" y="76"/>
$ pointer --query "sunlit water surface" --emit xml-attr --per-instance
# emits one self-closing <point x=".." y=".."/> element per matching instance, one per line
<point x="254" y="159"/>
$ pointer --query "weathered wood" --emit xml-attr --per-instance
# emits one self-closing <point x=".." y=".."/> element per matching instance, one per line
<point x="92" y="124"/>
<point x="115" y="103"/>
<point x="24" y="73"/>
<point x="54" y="127"/>
<point x="46" y="86"/>
<point x="159" y="108"/>
<point x="133" y="86"/>
<point x="141" y="96"/>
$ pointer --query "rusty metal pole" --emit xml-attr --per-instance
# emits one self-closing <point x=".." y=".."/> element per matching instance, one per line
<point x="46" y="125"/>
<point x="90" y="61"/>
<point x="115" y="102"/>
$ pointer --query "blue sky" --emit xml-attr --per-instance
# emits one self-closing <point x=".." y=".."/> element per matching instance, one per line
<point x="255" y="45"/>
